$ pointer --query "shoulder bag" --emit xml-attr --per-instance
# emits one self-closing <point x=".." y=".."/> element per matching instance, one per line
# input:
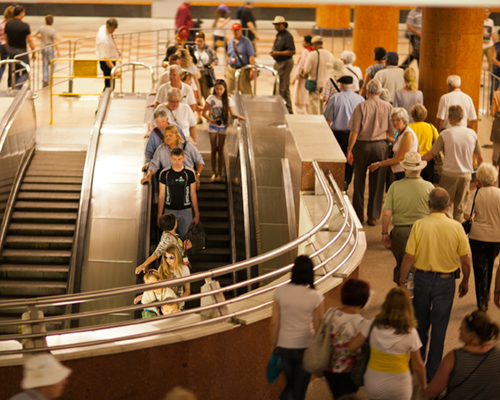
<point x="468" y="224"/>
<point x="310" y="84"/>
<point x="196" y="234"/>
<point x="362" y="358"/>
<point x="274" y="366"/>
<point x="317" y="355"/>
<point x="209" y="71"/>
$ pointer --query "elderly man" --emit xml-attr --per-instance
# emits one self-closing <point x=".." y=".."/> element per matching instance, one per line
<point x="433" y="246"/>
<point x="283" y="51"/>
<point x="187" y="96"/>
<point x="178" y="193"/>
<point x="338" y="112"/>
<point x="240" y="53"/>
<point x="44" y="378"/>
<point x="406" y="202"/>
<point x="180" y="113"/>
<point x="370" y="124"/>
<point x="348" y="58"/>
<point x="106" y="49"/>
<point x="162" y="156"/>
<point x="458" y="143"/>
<point x="316" y="70"/>
<point x="453" y="97"/>
<point x="391" y="77"/>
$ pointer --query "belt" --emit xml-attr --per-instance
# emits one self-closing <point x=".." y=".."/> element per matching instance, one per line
<point x="403" y="226"/>
<point x="441" y="274"/>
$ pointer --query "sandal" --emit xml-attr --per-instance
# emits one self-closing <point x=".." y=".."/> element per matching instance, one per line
<point x="213" y="178"/>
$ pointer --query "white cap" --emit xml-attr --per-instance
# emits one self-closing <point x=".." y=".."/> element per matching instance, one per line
<point x="43" y="370"/>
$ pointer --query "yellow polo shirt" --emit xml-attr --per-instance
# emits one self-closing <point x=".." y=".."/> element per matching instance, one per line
<point x="435" y="242"/>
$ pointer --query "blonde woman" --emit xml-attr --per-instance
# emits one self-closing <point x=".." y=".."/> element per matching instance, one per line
<point x="409" y="95"/>
<point x="393" y="336"/>
<point x="172" y="267"/>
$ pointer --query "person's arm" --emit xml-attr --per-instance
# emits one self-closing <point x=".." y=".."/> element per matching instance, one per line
<point x="147" y="178"/>
<point x="356" y="342"/>
<point x="463" y="288"/>
<point x="199" y="168"/>
<point x="234" y="115"/>
<point x="193" y="133"/>
<point x="187" y="289"/>
<point x="413" y="30"/>
<point x="161" y="202"/>
<point x="428" y="156"/>
<point x="440" y="380"/>
<point x="207" y="111"/>
<point x="275" y="323"/>
<point x="142" y="267"/>
<point x="352" y="141"/>
<point x="194" y="203"/>
<point x="408" y="261"/>
<point x="251" y="61"/>
<point x="386" y="219"/>
<point x="30" y="41"/>
<point x="405" y="147"/>
<point x="439" y="124"/>
<point x="285" y="53"/>
<point x="56" y="48"/>
<point x="253" y="29"/>
<point x="418" y="368"/>
<point x="471" y="124"/>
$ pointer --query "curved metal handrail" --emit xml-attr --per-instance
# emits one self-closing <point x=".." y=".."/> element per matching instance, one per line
<point x="256" y="67"/>
<point x="133" y="64"/>
<point x="26" y="66"/>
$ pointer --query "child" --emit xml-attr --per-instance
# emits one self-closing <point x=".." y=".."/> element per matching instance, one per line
<point x="220" y="21"/>
<point x="172" y="267"/>
<point x="48" y="37"/>
<point x="168" y="224"/>
<point x="217" y="109"/>
<point x="161" y="294"/>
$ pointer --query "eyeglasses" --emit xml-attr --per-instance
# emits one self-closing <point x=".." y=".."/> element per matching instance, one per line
<point x="170" y="257"/>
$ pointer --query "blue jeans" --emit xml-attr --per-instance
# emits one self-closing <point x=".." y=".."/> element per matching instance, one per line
<point x="47" y="56"/>
<point x="20" y="77"/>
<point x="432" y="301"/>
<point x="297" y="378"/>
<point x="184" y="219"/>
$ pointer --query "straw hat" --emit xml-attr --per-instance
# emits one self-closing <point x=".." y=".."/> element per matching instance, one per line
<point x="280" y="20"/>
<point x="413" y="161"/>
<point x="338" y="68"/>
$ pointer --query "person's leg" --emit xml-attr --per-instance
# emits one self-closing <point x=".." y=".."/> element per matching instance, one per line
<point x="461" y="197"/>
<point x="288" y="363"/>
<point x="106" y="71"/>
<point x="302" y="377"/>
<point x="213" y="151"/>
<point x="343" y="141"/>
<point x="450" y="185"/>
<point x="46" y="66"/>
<point x="492" y="250"/>
<point x="285" y="83"/>
<point x="184" y="219"/>
<point x="360" y="153"/>
<point x="245" y="83"/>
<point x="489" y="56"/>
<point x="443" y="293"/>
<point x="480" y="269"/>
<point x="230" y="82"/>
<point x="3" y="56"/>
<point x="314" y="101"/>
<point x="340" y="384"/>
<point x="399" y="236"/>
<point x="220" y="151"/>
<point x="375" y="196"/>
<point x="422" y="306"/>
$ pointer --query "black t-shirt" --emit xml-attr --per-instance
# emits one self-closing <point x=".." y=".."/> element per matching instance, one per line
<point x="16" y="31"/>
<point x="246" y="16"/>
<point x="283" y="41"/>
<point x="177" y="187"/>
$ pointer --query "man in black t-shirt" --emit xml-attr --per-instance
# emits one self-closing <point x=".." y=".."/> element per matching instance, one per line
<point x="17" y="33"/>
<point x="178" y="193"/>
<point x="248" y="23"/>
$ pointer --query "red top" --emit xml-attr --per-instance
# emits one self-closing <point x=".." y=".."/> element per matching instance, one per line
<point x="183" y="16"/>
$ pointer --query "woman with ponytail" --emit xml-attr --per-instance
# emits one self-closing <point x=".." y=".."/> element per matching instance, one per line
<point x="470" y="372"/>
<point x="409" y="95"/>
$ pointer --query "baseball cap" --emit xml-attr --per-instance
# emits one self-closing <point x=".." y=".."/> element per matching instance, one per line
<point x="392" y="56"/>
<point x="236" y="26"/>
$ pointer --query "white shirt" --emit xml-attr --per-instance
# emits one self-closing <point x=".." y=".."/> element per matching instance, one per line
<point x="325" y="58"/>
<point x="356" y="74"/>
<point x="183" y="116"/>
<point x="186" y="93"/>
<point x="105" y="46"/>
<point x="150" y="296"/>
<point x="391" y="78"/>
<point x="453" y="98"/>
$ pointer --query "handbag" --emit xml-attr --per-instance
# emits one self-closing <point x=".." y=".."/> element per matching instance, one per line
<point x="209" y="71"/>
<point x="196" y="234"/>
<point x="310" y="84"/>
<point x="274" y="366"/>
<point x="468" y="224"/>
<point x="317" y="355"/>
<point x="362" y="358"/>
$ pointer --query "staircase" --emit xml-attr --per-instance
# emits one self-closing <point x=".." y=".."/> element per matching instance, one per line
<point x="37" y="250"/>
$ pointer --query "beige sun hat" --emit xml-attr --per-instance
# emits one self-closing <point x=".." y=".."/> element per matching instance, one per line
<point x="338" y="69"/>
<point x="413" y="161"/>
<point x="316" y="39"/>
<point x="43" y="370"/>
<point x="280" y="20"/>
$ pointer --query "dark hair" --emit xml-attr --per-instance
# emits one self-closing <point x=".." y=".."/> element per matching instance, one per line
<point x="225" y="100"/>
<point x="379" y="53"/>
<point x="200" y="34"/>
<point x="167" y="222"/>
<point x="479" y="323"/>
<point x="302" y="271"/>
<point x="112" y="23"/>
<point x="307" y="39"/>
<point x="49" y="20"/>
<point x="18" y="10"/>
<point x="355" y="292"/>
<point x="173" y="57"/>
<point x="177" y="151"/>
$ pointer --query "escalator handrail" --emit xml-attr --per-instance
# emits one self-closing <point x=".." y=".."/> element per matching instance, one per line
<point x="7" y="119"/>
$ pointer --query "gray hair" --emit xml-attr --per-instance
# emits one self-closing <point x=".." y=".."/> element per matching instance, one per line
<point x="454" y="80"/>
<point x="160" y="113"/>
<point x="385" y="95"/>
<point x="374" y="87"/>
<point x="486" y="174"/>
<point x="439" y="199"/>
<point x="348" y="56"/>
<point x="174" y="93"/>
<point x="175" y="67"/>
<point x="456" y="112"/>
<point x="401" y="113"/>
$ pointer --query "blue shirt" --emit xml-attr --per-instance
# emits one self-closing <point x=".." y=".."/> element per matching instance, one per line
<point x="154" y="142"/>
<point x="161" y="159"/>
<point x="340" y="107"/>
<point x="245" y="49"/>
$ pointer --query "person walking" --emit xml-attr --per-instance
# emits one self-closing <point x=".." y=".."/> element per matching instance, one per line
<point x="240" y="53"/>
<point x="300" y="93"/>
<point x="106" y="49"/>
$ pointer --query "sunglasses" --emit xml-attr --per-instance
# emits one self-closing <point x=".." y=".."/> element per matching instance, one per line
<point x="170" y="257"/>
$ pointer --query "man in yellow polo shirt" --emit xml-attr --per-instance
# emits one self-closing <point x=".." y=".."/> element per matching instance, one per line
<point x="433" y="246"/>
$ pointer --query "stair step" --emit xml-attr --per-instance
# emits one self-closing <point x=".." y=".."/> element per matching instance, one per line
<point x="214" y="228"/>
<point x="33" y="272"/>
<point x="210" y="195"/>
<point x="214" y="215"/>
<point x="52" y="179"/>
<point x="22" y="216"/>
<point x="213" y="187"/>
<point x="212" y="205"/>
<point x="39" y="242"/>
<point x="47" y="196"/>
<point x="24" y="256"/>
<point x="32" y="288"/>
<point x="212" y="240"/>
<point x="46" y="205"/>
<point x="42" y="229"/>
<point x="41" y="171"/>
<point x="35" y="187"/>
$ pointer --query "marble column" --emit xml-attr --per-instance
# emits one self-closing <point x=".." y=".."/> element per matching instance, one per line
<point x="333" y="16"/>
<point x="374" y="26"/>
<point x="451" y="45"/>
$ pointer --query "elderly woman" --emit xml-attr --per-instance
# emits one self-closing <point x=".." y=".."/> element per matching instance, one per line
<point x="408" y="96"/>
<point x="348" y="57"/>
<point x="404" y="141"/>
<point x="470" y="372"/>
<point x="206" y="59"/>
<point x="426" y="134"/>
<point x="484" y="236"/>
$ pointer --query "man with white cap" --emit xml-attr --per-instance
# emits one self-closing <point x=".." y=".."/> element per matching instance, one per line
<point x="44" y="378"/>
<point x="316" y="70"/>
<point x="406" y="201"/>
<point x="283" y="51"/>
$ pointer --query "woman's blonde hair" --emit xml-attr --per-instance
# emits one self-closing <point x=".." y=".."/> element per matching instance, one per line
<point x="397" y="312"/>
<point x="409" y="76"/>
<point x="166" y="270"/>
<point x="152" y="273"/>
<point x="173" y="129"/>
<point x="185" y="56"/>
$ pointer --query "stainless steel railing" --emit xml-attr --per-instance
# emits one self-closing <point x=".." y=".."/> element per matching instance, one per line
<point x="134" y="66"/>
<point x="256" y="68"/>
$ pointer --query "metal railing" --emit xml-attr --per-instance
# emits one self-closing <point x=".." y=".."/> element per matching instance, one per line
<point x="26" y="67"/>
<point x="489" y="84"/>
<point x="91" y="296"/>
<point x="256" y="68"/>
<point x="134" y="65"/>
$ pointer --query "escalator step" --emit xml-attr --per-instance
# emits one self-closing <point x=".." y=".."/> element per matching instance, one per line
<point x="213" y="187"/>
<point x="206" y="266"/>
<point x="32" y="288"/>
<point x="213" y="228"/>
<point x="77" y="172"/>
<point x="209" y="195"/>
<point x="42" y="229"/>
<point x="24" y="256"/>
<point x="49" y="206"/>
<point x="52" y="179"/>
<point x="33" y="272"/>
<point x="213" y="205"/>
<point x="214" y="215"/>
<point x="62" y="217"/>
<point x="39" y="242"/>
<point x="48" y="196"/>
<point x="34" y="187"/>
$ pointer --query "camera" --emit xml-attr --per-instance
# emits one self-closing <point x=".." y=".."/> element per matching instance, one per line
<point x="219" y="122"/>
